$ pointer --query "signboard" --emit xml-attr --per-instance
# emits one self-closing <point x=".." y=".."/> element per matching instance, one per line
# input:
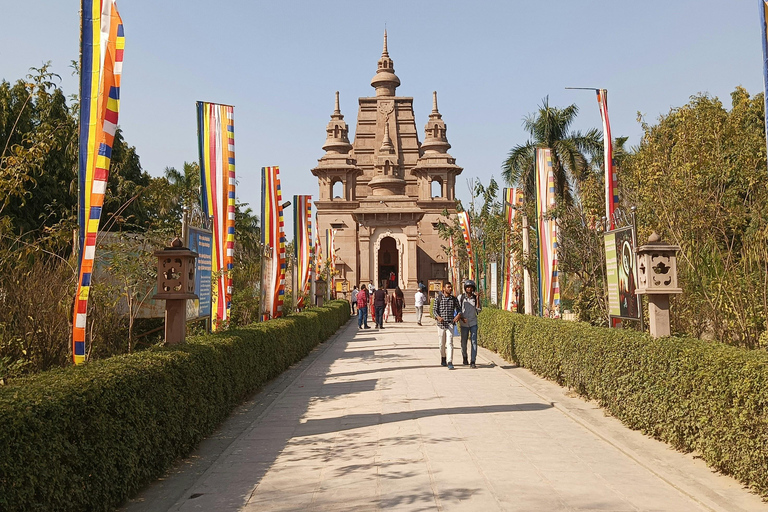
<point x="201" y="241"/>
<point x="342" y="286"/>
<point x="435" y="285"/>
<point x="621" y="273"/>
<point x="494" y="283"/>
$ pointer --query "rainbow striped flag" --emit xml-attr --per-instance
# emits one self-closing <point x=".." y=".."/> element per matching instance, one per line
<point x="330" y="246"/>
<point x="466" y="232"/>
<point x="764" y="32"/>
<point x="611" y="179"/>
<point x="513" y="198"/>
<point x="318" y="254"/>
<point x="273" y="241"/>
<point x="549" y="287"/>
<point x="102" y="45"/>
<point x="302" y="242"/>
<point x="216" y="145"/>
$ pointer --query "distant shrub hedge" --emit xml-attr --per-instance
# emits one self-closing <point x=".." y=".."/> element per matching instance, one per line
<point x="87" y="438"/>
<point x="699" y="396"/>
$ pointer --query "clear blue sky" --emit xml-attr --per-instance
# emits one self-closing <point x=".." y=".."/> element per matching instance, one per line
<point x="280" y="62"/>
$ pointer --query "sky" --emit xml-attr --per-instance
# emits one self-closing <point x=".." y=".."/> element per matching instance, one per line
<point x="492" y="63"/>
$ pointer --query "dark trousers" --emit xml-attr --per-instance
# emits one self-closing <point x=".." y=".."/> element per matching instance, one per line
<point x="380" y="315"/>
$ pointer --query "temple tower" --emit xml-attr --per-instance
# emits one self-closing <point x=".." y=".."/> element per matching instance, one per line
<point x="386" y="221"/>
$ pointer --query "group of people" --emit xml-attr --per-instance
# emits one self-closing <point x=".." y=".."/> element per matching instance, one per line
<point x="379" y="302"/>
<point x="449" y="312"/>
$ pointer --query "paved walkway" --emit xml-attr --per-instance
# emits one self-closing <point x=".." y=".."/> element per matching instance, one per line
<point x="370" y="421"/>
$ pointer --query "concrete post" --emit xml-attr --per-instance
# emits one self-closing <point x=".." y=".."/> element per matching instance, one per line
<point x="658" y="313"/>
<point x="175" y="321"/>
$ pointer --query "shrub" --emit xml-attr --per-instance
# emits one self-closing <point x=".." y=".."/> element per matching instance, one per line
<point x="88" y="437"/>
<point x="696" y="395"/>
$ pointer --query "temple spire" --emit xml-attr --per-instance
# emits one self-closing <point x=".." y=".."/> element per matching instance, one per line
<point x="337" y="109"/>
<point x="386" y="143"/>
<point x="434" y="102"/>
<point x="385" y="81"/>
<point x="384" y="52"/>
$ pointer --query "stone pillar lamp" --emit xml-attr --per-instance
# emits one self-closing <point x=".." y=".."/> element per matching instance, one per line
<point x="657" y="278"/>
<point x="175" y="284"/>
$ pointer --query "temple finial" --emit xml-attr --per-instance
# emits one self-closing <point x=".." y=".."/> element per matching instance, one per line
<point x="434" y="102"/>
<point x="384" y="52"/>
<point x="337" y="109"/>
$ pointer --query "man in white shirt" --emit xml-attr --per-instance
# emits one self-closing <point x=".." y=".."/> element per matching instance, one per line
<point x="419" y="301"/>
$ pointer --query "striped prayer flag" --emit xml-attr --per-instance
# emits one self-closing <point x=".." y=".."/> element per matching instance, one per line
<point x="302" y="228"/>
<point x="467" y="233"/>
<point x="273" y="241"/>
<point x="216" y="147"/>
<point x="513" y="199"/>
<point x="102" y="45"/>
<point x="764" y="32"/>
<point x="330" y="246"/>
<point x="549" y="288"/>
<point x="611" y="180"/>
<point x="453" y="263"/>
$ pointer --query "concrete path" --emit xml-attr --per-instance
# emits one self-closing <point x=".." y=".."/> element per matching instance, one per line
<point x="370" y="421"/>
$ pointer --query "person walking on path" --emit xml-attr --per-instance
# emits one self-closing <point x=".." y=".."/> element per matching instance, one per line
<point x="419" y="300"/>
<point x="362" y="308"/>
<point x="371" y="309"/>
<point x="388" y="307"/>
<point x="447" y="312"/>
<point x="398" y="303"/>
<point x="355" y="291"/>
<point x="469" y="306"/>
<point x="380" y="303"/>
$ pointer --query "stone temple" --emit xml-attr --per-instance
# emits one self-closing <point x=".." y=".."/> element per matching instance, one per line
<point x="384" y="193"/>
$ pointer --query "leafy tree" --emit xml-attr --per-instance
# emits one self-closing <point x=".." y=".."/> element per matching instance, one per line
<point x="699" y="179"/>
<point x="550" y="127"/>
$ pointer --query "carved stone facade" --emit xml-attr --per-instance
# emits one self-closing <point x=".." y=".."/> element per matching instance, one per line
<point x="385" y="213"/>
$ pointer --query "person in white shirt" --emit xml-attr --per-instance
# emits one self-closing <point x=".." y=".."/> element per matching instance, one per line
<point x="420" y="300"/>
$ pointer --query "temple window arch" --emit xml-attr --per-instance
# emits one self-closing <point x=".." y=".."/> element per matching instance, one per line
<point x="436" y="187"/>
<point x="337" y="189"/>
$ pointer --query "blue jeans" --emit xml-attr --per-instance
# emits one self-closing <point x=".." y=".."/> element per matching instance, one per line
<point x="362" y="316"/>
<point x="471" y="333"/>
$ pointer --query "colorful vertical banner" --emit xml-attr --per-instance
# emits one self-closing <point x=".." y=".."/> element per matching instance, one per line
<point x="621" y="273"/>
<point x="102" y="44"/>
<point x="466" y="232"/>
<point x="216" y="146"/>
<point x="302" y="229"/>
<point x="611" y="180"/>
<point x="764" y="32"/>
<point x="330" y="246"/>
<point x="273" y="241"/>
<point x="549" y="287"/>
<point x="513" y="199"/>
<point x="318" y="254"/>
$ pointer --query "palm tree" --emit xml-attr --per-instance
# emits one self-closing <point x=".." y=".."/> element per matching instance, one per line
<point x="571" y="151"/>
<point x="185" y="188"/>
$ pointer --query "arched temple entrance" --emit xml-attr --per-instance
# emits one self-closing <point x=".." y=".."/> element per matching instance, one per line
<point x="388" y="258"/>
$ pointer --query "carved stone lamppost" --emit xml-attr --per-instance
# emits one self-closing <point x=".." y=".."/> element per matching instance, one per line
<point x="321" y="288"/>
<point x="175" y="284"/>
<point x="657" y="278"/>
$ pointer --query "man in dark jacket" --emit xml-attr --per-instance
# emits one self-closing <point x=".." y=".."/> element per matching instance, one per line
<point x="380" y="304"/>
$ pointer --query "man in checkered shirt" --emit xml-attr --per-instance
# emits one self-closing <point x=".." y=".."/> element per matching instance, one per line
<point x="447" y="312"/>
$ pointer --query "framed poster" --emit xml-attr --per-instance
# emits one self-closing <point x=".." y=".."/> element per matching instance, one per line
<point x="621" y="273"/>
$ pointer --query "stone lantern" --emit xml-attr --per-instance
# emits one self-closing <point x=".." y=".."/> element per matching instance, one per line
<point x="657" y="278"/>
<point x="175" y="284"/>
<point x="321" y="289"/>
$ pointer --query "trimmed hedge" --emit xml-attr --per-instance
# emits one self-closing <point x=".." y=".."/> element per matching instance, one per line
<point x="699" y="396"/>
<point x="88" y="437"/>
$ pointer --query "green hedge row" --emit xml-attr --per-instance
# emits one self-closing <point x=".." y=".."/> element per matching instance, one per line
<point x="699" y="396"/>
<point x="87" y="438"/>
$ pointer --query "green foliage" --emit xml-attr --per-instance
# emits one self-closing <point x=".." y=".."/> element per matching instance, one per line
<point x="88" y="437"/>
<point x="699" y="180"/>
<point x="698" y="396"/>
